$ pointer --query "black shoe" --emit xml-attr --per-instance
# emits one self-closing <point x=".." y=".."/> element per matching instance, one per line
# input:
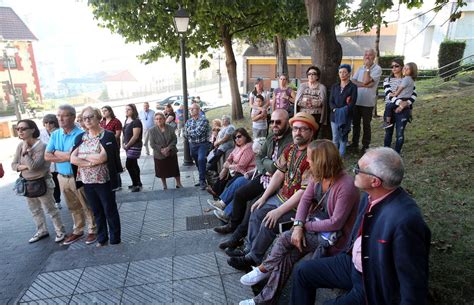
<point x="135" y="189"/>
<point x="353" y="147"/>
<point x="364" y="148"/>
<point x="131" y="187"/>
<point x="235" y="252"/>
<point x="230" y="243"/>
<point x="198" y="184"/>
<point x="226" y="229"/>
<point x="243" y="263"/>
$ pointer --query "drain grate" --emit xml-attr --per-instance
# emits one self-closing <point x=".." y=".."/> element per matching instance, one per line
<point x="202" y="222"/>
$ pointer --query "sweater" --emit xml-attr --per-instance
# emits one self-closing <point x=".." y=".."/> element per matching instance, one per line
<point x="38" y="167"/>
<point x="159" y="140"/>
<point x="343" y="202"/>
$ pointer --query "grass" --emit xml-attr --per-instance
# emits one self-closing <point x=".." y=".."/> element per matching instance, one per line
<point x="439" y="160"/>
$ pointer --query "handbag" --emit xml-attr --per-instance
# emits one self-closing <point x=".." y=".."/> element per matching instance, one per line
<point x="30" y="188"/>
<point x="134" y="152"/>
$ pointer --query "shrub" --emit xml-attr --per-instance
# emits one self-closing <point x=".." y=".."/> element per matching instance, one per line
<point x="449" y="52"/>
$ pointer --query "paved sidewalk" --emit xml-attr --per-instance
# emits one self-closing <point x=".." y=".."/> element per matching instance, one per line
<point x="169" y="252"/>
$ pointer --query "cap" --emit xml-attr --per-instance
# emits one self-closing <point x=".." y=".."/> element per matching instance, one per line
<point x="305" y="118"/>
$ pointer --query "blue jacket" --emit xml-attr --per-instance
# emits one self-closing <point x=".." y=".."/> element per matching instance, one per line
<point x="395" y="249"/>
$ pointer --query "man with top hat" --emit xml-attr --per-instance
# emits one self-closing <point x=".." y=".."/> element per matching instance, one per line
<point x="280" y="199"/>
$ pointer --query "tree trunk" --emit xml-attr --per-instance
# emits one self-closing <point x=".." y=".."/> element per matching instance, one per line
<point x="377" y="53"/>
<point x="281" y="55"/>
<point x="231" y="64"/>
<point x="326" y="50"/>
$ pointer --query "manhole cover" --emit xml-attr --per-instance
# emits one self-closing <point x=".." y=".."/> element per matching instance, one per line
<point x="202" y="222"/>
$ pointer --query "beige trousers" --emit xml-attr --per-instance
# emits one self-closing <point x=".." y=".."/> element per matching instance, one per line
<point x="45" y="203"/>
<point x="77" y="205"/>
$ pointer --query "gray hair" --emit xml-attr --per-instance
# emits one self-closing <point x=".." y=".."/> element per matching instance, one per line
<point x="226" y="118"/>
<point x="70" y="109"/>
<point x="387" y="164"/>
<point x="51" y="118"/>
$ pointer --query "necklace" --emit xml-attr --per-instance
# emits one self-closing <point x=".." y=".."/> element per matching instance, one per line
<point x="293" y="166"/>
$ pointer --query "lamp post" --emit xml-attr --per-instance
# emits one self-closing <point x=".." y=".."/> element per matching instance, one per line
<point x="219" y="74"/>
<point x="181" y="22"/>
<point x="9" y="51"/>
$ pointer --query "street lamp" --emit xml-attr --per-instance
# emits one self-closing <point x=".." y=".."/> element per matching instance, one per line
<point x="7" y="52"/>
<point x="219" y="74"/>
<point x="181" y="22"/>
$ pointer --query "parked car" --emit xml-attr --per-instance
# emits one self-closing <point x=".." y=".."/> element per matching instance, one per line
<point x="244" y="98"/>
<point x="176" y="100"/>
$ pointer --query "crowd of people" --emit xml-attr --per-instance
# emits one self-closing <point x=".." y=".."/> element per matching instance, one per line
<point x="285" y="185"/>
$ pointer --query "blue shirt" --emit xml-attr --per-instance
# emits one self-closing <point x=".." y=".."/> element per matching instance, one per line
<point x="197" y="131"/>
<point x="61" y="141"/>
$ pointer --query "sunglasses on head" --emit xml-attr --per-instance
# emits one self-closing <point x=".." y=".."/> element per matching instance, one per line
<point x="275" y="122"/>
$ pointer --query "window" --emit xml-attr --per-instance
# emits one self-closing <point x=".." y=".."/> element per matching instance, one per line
<point x="11" y="60"/>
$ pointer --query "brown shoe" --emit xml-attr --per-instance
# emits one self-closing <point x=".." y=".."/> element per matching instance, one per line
<point x="91" y="238"/>
<point x="72" y="238"/>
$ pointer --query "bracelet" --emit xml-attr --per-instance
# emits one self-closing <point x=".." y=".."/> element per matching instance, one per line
<point x="298" y="223"/>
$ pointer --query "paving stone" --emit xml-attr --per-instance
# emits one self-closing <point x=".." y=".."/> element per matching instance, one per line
<point x="112" y="296"/>
<point x="179" y="224"/>
<point x="203" y="290"/>
<point x="53" y="284"/>
<point x="194" y="266"/>
<point x="133" y="206"/>
<point x="185" y="211"/>
<point x="158" y="227"/>
<point x="193" y="234"/>
<point x="149" y="271"/>
<point x="157" y="293"/>
<point x="52" y="301"/>
<point x="202" y="222"/>
<point x="186" y="202"/>
<point x="234" y="290"/>
<point x="160" y="203"/>
<point x="102" y="278"/>
<point x="158" y="213"/>
<point x="224" y="267"/>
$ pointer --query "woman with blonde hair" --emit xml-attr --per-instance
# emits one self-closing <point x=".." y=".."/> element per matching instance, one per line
<point x="322" y="225"/>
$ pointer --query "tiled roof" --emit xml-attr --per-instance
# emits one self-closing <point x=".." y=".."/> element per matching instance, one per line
<point x="301" y="46"/>
<point x="124" y="76"/>
<point x="12" y="27"/>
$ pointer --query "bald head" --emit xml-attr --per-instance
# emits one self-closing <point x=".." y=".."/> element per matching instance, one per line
<point x="279" y="121"/>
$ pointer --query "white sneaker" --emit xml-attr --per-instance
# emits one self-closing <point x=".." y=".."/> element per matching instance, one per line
<point x="253" y="277"/>
<point x="247" y="302"/>
<point x="216" y="204"/>
<point x="221" y="215"/>
<point x="59" y="237"/>
<point x="58" y="205"/>
<point x="38" y="236"/>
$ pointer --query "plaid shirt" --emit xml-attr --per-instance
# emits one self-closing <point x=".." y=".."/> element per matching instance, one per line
<point x="197" y="131"/>
<point x="112" y="126"/>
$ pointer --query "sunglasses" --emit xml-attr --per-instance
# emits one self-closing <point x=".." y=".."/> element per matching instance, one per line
<point x="312" y="73"/>
<point x="238" y="136"/>
<point x="22" y="128"/>
<point x="395" y="66"/>
<point x="275" y="122"/>
<point x="357" y="171"/>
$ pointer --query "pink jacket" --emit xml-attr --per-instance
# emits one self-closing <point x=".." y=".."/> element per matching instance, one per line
<point x="242" y="159"/>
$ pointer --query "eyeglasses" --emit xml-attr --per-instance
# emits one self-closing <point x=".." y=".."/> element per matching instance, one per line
<point x="88" y="118"/>
<point x="357" y="171"/>
<point x="238" y="136"/>
<point x="312" y="73"/>
<point x="22" y="128"/>
<point x="275" y="122"/>
<point x="302" y="128"/>
<point x="395" y="66"/>
<point x="49" y="122"/>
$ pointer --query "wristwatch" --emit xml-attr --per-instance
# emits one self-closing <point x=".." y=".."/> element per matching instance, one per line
<point x="298" y="223"/>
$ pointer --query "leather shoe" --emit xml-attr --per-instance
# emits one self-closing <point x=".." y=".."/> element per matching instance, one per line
<point x="235" y="252"/>
<point x="230" y="243"/>
<point x="243" y="263"/>
<point x="225" y="229"/>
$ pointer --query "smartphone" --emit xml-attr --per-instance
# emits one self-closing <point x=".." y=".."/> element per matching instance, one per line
<point x="285" y="226"/>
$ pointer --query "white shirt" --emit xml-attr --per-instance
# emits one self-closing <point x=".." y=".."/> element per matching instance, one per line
<point x="367" y="97"/>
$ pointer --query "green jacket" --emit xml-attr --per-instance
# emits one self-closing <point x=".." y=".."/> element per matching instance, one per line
<point x="264" y="158"/>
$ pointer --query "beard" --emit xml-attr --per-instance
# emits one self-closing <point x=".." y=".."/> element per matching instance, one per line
<point x="299" y="140"/>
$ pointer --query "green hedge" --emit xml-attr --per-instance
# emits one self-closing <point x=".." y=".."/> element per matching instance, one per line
<point x="386" y="61"/>
<point x="450" y="51"/>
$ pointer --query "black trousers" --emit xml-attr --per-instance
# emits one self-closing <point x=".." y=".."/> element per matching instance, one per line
<point x="134" y="171"/>
<point x="243" y="200"/>
<point x="364" y="114"/>
<point x="57" y="190"/>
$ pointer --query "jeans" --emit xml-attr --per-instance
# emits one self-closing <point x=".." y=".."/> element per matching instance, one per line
<point x="339" y="139"/>
<point x="198" y="152"/>
<point x="364" y="114"/>
<point x="133" y="171"/>
<point x="57" y="189"/>
<point x="327" y="272"/>
<point x="400" y="121"/>
<point x="241" y="206"/>
<point x="228" y="195"/>
<point x="102" y="200"/>
<point x="260" y="237"/>
<point x="389" y="111"/>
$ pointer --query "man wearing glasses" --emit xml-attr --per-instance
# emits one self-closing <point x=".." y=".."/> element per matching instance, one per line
<point x="387" y="259"/>
<point x="367" y="79"/>
<point x="59" y="151"/>
<point x="196" y="131"/>
<point x="282" y="194"/>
